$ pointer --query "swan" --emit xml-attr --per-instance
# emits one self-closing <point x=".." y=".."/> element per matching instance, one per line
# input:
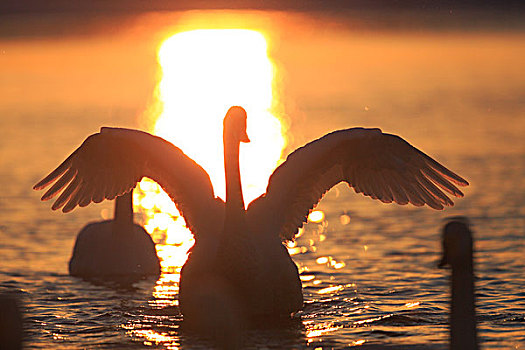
<point x="115" y="249"/>
<point x="238" y="253"/>
<point x="11" y="322"/>
<point x="457" y="253"/>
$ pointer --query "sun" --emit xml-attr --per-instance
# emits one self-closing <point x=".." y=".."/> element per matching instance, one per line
<point x="204" y="72"/>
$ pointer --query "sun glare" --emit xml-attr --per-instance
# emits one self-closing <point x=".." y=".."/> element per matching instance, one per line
<point x="204" y="72"/>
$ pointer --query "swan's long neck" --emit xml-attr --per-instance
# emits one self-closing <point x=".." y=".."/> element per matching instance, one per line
<point x="124" y="211"/>
<point x="462" y="318"/>
<point x="234" y="198"/>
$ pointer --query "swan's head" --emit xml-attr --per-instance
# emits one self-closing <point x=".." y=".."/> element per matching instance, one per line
<point x="235" y="125"/>
<point x="457" y="243"/>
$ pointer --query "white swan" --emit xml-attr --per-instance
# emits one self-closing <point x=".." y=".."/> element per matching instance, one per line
<point x="457" y="253"/>
<point x="238" y="252"/>
<point x="115" y="249"/>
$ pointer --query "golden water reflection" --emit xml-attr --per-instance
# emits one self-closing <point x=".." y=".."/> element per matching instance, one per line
<point x="151" y="337"/>
<point x="204" y="72"/>
<point x="317" y="330"/>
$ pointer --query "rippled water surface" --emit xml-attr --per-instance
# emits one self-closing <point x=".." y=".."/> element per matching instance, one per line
<point x="368" y="269"/>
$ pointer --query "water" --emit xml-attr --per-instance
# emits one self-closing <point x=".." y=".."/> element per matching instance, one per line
<point x="370" y="282"/>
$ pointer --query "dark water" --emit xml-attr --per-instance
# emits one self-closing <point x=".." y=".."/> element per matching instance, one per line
<point x="372" y="282"/>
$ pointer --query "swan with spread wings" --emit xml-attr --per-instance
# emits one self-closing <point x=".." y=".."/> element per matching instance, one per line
<point x="239" y="251"/>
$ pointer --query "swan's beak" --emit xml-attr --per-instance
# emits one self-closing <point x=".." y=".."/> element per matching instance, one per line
<point x="244" y="138"/>
<point x="443" y="263"/>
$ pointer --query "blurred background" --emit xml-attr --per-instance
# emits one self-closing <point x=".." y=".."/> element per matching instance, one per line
<point x="447" y="77"/>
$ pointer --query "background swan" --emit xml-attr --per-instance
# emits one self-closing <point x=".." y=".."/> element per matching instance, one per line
<point x="115" y="249"/>
<point x="11" y="322"/>
<point x="241" y="250"/>
<point x="457" y="253"/>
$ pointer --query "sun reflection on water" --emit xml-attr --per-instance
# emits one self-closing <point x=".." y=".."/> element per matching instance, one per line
<point x="204" y="72"/>
<point x="320" y="330"/>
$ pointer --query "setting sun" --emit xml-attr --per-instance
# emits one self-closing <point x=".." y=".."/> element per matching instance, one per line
<point x="204" y="72"/>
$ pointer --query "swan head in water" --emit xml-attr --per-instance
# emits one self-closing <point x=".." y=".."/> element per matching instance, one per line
<point x="457" y="253"/>
<point x="457" y="243"/>
<point x="235" y="125"/>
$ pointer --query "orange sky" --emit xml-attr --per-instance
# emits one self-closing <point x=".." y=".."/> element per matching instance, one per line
<point x="324" y="67"/>
<point x="86" y="71"/>
<point x="120" y="68"/>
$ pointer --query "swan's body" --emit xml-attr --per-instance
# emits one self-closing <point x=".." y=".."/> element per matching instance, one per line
<point x="239" y="253"/>
<point x="11" y="322"/>
<point x="115" y="249"/>
<point x="457" y="253"/>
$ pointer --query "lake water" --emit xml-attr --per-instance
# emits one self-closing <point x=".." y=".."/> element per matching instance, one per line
<point x="368" y="269"/>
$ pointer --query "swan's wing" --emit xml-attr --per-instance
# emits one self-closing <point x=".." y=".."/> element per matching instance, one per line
<point x="110" y="163"/>
<point x="381" y="166"/>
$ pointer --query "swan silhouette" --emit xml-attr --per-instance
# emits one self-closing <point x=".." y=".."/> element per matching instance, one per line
<point x="115" y="249"/>
<point x="11" y="322"/>
<point x="457" y="253"/>
<point x="237" y="252"/>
